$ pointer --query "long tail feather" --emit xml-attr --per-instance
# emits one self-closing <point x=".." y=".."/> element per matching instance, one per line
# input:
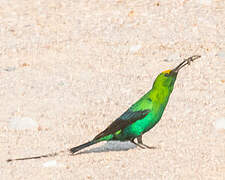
<point x="72" y="150"/>
<point x="82" y="146"/>
<point x="36" y="157"/>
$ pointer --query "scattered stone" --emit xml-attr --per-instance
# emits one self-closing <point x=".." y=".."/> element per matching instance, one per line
<point x="10" y="69"/>
<point x="221" y="54"/>
<point x="205" y="2"/>
<point x="135" y="48"/>
<point x="61" y="83"/>
<point x="131" y="13"/>
<point x="52" y="163"/>
<point x="22" y="123"/>
<point x="25" y="64"/>
<point x="219" y="124"/>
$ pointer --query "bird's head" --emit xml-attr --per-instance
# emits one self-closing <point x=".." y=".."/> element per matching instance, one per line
<point x="167" y="78"/>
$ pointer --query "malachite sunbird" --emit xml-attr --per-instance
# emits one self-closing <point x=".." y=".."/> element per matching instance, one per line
<point x="140" y="117"/>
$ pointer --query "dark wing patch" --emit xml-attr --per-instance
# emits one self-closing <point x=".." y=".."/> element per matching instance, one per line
<point x="122" y="122"/>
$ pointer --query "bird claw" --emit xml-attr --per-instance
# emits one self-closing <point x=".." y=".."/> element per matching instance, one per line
<point x="149" y="147"/>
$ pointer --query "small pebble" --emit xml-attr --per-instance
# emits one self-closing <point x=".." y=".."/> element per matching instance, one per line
<point x="10" y="69"/>
<point x="221" y="54"/>
<point x="205" y="2"/>
<point x="219" y="124"/>
<point x="22" y="123"/>
<point x="52" y="163"/>
<point x="135" y="48"/>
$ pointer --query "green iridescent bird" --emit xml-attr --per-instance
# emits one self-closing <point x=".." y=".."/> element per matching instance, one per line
<point x="140" y="117"/>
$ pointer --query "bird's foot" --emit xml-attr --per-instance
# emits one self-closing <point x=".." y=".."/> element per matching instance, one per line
<point x="140" y="142"/>
<point x="142" y="147"/>
<point x="149" y="147"/>
<point x="132" y="141"/>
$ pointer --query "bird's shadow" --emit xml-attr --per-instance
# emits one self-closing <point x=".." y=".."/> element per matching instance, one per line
<point x="110" y="146"/>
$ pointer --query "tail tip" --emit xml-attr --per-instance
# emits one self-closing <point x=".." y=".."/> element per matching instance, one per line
<point x="9" y="160"/>
<point x="72" y="151"/>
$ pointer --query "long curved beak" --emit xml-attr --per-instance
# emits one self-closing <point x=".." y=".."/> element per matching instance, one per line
<point x="185" y="62"/>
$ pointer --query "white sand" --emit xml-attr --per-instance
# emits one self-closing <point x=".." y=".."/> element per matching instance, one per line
<point x="75" y="66"/>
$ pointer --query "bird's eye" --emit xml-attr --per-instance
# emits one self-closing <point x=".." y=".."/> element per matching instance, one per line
<point x="166" y="74"/>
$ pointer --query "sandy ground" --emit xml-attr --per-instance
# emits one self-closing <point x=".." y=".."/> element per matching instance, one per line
<point x="75" y="66"/>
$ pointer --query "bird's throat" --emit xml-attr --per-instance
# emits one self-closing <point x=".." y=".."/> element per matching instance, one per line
<point x="160" y="96"/>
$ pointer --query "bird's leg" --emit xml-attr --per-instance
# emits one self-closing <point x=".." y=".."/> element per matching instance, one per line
<point x="139" y="139"/>
<point x="132" y="140"/>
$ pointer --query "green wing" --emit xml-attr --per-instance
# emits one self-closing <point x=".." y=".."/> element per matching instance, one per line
<point x="122" y="122"/>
